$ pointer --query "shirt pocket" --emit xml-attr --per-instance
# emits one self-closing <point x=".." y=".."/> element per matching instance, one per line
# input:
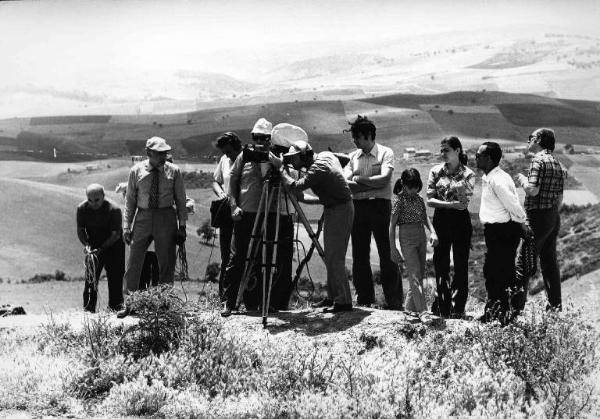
<point x="375" y="169"/>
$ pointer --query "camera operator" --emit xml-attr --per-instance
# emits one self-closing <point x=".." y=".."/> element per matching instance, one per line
<point x="326" y="179"/>
<point x="245" y="189"/>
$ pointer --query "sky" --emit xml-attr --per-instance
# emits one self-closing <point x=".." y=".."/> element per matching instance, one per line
<point x="83" y="44"/>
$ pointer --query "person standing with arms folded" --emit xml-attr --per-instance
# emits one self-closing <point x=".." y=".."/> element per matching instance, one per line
<point x="543" y="197"/>
<point x="369" y="175"/>
<point x="230" y="145"/>
<point x="449" y="189"/>
<point x="504" y="223"/>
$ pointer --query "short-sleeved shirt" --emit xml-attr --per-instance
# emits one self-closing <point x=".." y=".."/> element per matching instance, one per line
<point x="372" y="163"/>
<point x="99" y="224"/>
<point x="326" y="179"/>
<point x="546" y="173"/>
<point x="447" y="187"/>
<point x="223" y="172"/>
<point x="410" y="208"/>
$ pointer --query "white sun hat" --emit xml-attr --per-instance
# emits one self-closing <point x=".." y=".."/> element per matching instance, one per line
<point x="286" y="135"/>
<point x="262" y="126"/>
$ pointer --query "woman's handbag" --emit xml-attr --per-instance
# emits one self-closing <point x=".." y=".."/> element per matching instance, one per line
<point x="220" y="214"/>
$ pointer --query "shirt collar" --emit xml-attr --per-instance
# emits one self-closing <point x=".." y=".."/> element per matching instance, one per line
<point x="373" y="151"/>
<point x="542" y="152"/>
<point x="459" y="172"/>
<point x="491" y="172"/>
<point x="149" y="167"/>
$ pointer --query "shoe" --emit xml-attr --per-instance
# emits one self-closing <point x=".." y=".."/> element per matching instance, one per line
<point x="483" y="319"/>
<point x="226" y="312"/>
<point x="325" y="302"/>
<point x="123" y="313"/>
<point x="338" y="308"/>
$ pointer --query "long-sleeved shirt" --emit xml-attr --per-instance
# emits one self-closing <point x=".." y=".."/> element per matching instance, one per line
<point x="246" y="184"/>
<point x="499" y="199"/>
<point x="171" y="190"/>
<point x="326" y="180"/>
<point x="373" y="163"/>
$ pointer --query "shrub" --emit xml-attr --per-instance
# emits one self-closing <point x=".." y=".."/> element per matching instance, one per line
<point x="138" y="397"/>
<point x="161" y="323"/>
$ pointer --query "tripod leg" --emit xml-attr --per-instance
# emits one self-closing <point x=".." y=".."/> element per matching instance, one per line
<point x="273" y="255"/>
<point x="264" y="252"/>
<point x="314" y="237"/>
<point x="252" y="248"/>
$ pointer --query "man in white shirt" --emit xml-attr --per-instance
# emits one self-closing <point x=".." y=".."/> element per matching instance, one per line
<point x="504" y="222"/>
<point x="369" y="175"/>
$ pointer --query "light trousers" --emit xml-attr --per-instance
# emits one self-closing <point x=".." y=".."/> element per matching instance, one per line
<point x="413" y="243"/>
<point x="159" y="225"/>
<point x="337" y="225"/>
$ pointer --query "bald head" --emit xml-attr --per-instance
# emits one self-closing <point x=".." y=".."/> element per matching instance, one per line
<point x="95" y="195"/>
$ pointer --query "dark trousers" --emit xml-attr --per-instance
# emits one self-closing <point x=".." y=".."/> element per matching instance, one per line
<point x="546" y="225"/>
<point x="372" y="216"/>
<point x="501" y="240"/>
<point x="282" y="279"/>
<point x="454" y="231"/>
<point x="113" y="261"/>
<point x="225" y="235"/>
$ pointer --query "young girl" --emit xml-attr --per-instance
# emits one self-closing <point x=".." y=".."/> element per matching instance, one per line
<point x="409" y="214"/>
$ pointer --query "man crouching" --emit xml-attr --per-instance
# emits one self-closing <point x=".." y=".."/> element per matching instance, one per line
<point x="326" y="179"/>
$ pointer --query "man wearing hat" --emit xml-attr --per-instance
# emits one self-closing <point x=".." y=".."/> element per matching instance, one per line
<point x="154" y="185"/>
<point x="245" y="189"/>
<point x="326" y="179"/>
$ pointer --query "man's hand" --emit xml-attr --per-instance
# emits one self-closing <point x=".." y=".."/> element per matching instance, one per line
<point x="277" y="162"/>
<point x="433" y="239"/>
<point x="521" y="179"/>
<point x="526" y="231"/>
<point x="397" y="258"/>
<point x="236" y="213"/>
<point x="359" y="179"/>
<point x="222" y="195"/>
<point x="181" y="235"/>
<point x="127" y="236"/>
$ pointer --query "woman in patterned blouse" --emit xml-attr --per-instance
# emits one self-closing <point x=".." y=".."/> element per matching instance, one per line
<point x="449" y="189"/>
<point x="410" y="215"/>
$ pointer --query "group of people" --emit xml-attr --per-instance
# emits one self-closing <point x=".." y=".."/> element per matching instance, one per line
<point x="359" y="204"/>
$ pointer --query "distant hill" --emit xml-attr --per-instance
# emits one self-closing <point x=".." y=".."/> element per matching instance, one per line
<point x="402" y="119"/>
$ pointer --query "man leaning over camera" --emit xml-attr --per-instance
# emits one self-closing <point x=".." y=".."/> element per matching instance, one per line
<point x="326" y="179"/>
<point x="245" y="189"/>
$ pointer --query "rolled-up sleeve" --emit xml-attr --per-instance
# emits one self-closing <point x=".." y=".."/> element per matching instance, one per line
<point x="234" y="178"/>
<point x="130" y="199"/>
<point x="180" y="198"/>
<point x="387" y="162"/>
<point x="533" y="177"/>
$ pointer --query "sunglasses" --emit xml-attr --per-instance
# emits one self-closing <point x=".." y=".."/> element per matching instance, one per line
<point x="531" y="138"/>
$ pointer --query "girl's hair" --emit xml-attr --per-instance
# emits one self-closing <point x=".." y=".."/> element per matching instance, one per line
<point x="411" y="178"/>
<point x="455" y="144"/>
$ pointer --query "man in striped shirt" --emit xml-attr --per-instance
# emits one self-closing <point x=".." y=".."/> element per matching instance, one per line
<point x="369" y="175"/>
<point x="544" y="192"/>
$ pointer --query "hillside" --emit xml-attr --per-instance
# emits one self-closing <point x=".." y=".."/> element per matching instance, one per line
<point x="402" y="120"/>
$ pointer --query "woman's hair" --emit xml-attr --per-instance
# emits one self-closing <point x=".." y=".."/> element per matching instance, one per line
<point x="411" y="178"/>
<point x="229" y="138"/>
<point x="455" y="144"/>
